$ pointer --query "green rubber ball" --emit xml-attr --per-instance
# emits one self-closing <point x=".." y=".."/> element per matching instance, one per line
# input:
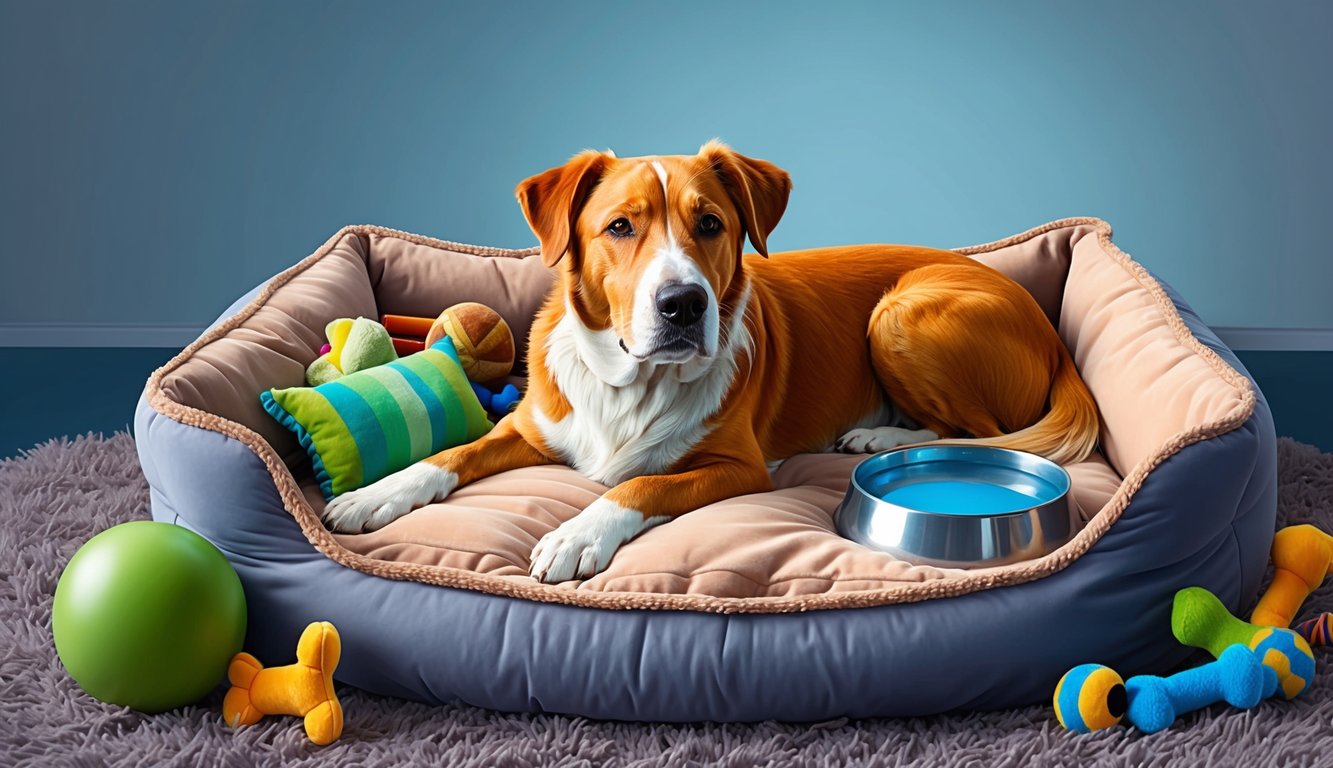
<point x="148" y="615"/>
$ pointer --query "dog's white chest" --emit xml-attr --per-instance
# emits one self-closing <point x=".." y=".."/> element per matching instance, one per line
<point x="614" y="430"/>
<point x="613" y="434"/>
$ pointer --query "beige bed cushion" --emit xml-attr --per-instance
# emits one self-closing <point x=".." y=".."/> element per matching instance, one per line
<point x="282" y="336"/>
<point x="1158" y="389"/>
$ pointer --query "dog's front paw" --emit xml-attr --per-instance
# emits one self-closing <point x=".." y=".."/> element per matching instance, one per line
<point x="386" y="500"/>
<point x="881" y="439"/>
<point x="582" y="547"/>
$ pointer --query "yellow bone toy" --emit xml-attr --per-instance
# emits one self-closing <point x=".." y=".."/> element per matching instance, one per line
<point x="1301" y="558"/>
<point x="304" y="689"/>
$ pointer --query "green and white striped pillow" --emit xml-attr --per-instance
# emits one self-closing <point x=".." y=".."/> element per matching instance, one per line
<point x="374" y="422"/>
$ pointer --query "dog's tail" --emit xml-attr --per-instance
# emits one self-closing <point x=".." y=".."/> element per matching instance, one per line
<point x="1069" y="431"/>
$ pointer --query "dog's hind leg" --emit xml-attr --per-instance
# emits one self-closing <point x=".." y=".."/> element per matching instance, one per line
<point x="967" y="352"/>
<point x="875" y="439"/>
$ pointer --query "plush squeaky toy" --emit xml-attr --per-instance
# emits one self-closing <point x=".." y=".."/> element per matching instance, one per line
<point x="1317" y="631"/>
<point x="485" y="347"/>
<point x="1199" y="620"/>
<point x="1091" y="697"/>
<point x="1301" y="556"/>
<point x="354" y="345"/>
<point x="304" y="689"/>
<point x="1237" y="677"/>
<point x="497" y="403"/>
<point x="482" y="337"/>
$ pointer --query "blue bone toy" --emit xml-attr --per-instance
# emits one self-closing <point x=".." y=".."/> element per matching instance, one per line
<point x="1238" y="677"/>
<point x="498" y="404"/>
<point x="1091" y="697"/>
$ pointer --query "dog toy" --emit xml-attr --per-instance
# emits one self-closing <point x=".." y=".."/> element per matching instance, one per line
<point x="483" y="339"/>
<point x="1317" y="631"/>
<point x="484" y="343"/>
<point x="1236" y="677"/>
<point x="1301" y="558"/>
<point x="146" y="615"/>
<point x="354" y="345"/>
<point x="405" y="347"/>
<point x="1199" y="619"/>
<point x="1091" y="697"/>
<point x="304" y="689"/>
<point x="497" y="403"/>
<point x="408" y="326"/>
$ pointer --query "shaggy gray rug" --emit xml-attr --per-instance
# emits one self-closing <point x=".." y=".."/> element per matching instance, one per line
<point x="61" y="493"/>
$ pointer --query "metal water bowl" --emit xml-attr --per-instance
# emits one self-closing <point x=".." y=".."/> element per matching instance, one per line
<point x="958" y="506"/>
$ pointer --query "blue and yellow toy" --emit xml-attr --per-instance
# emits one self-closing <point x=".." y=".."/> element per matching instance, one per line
<point x="1237" y="677"/>
<point x="1092" y="697"/>
<point x="1199" y="619"/>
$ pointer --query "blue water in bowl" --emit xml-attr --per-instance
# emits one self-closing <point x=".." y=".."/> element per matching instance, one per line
<point x="958" y="481"/>
<point x="958" y="497"/>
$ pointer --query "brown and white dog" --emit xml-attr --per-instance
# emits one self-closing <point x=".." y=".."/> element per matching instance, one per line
<point x="676" y="370"/>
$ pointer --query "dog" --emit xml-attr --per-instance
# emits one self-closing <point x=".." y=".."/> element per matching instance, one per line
<point x="670" y="366"/>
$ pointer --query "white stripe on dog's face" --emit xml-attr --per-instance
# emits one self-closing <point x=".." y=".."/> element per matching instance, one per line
<point x="666" y="199"/>
<point x="670" y="264"/>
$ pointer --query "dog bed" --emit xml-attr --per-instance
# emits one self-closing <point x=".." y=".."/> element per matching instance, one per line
<point x="750" y="609"/>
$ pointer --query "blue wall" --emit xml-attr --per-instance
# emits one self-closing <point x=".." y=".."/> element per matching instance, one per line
<point x="159" y="158"/>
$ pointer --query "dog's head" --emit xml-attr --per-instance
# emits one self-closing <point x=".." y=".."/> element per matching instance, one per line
<point x="651" y="246"/>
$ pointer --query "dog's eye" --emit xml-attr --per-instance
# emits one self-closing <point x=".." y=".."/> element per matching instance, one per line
<point x="621" y="227"/>
<point x="709" y="224"/>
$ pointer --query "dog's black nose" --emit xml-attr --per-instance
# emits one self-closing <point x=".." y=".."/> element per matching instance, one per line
<point x="682" y="304"/>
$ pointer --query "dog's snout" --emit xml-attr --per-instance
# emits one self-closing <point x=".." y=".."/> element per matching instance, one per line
<point x="682" y="304"/>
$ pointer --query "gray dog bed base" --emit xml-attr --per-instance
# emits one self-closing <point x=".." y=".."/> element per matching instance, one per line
<point x="1198" y="509"/>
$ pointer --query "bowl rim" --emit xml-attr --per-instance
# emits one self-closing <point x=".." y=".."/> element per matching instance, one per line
<point x="862" y="493"/>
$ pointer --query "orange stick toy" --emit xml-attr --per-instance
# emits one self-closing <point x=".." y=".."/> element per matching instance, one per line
<point x="1301" y="558"/>
<point x="405" y="347"/>
<point x="402" y="325"/>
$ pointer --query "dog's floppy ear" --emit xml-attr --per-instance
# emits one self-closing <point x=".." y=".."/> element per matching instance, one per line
<point x="551" y="201"/>
<point x="757" y="187"/>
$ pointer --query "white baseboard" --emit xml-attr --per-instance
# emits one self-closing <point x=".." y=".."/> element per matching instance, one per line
<point x="177" y="336"/>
